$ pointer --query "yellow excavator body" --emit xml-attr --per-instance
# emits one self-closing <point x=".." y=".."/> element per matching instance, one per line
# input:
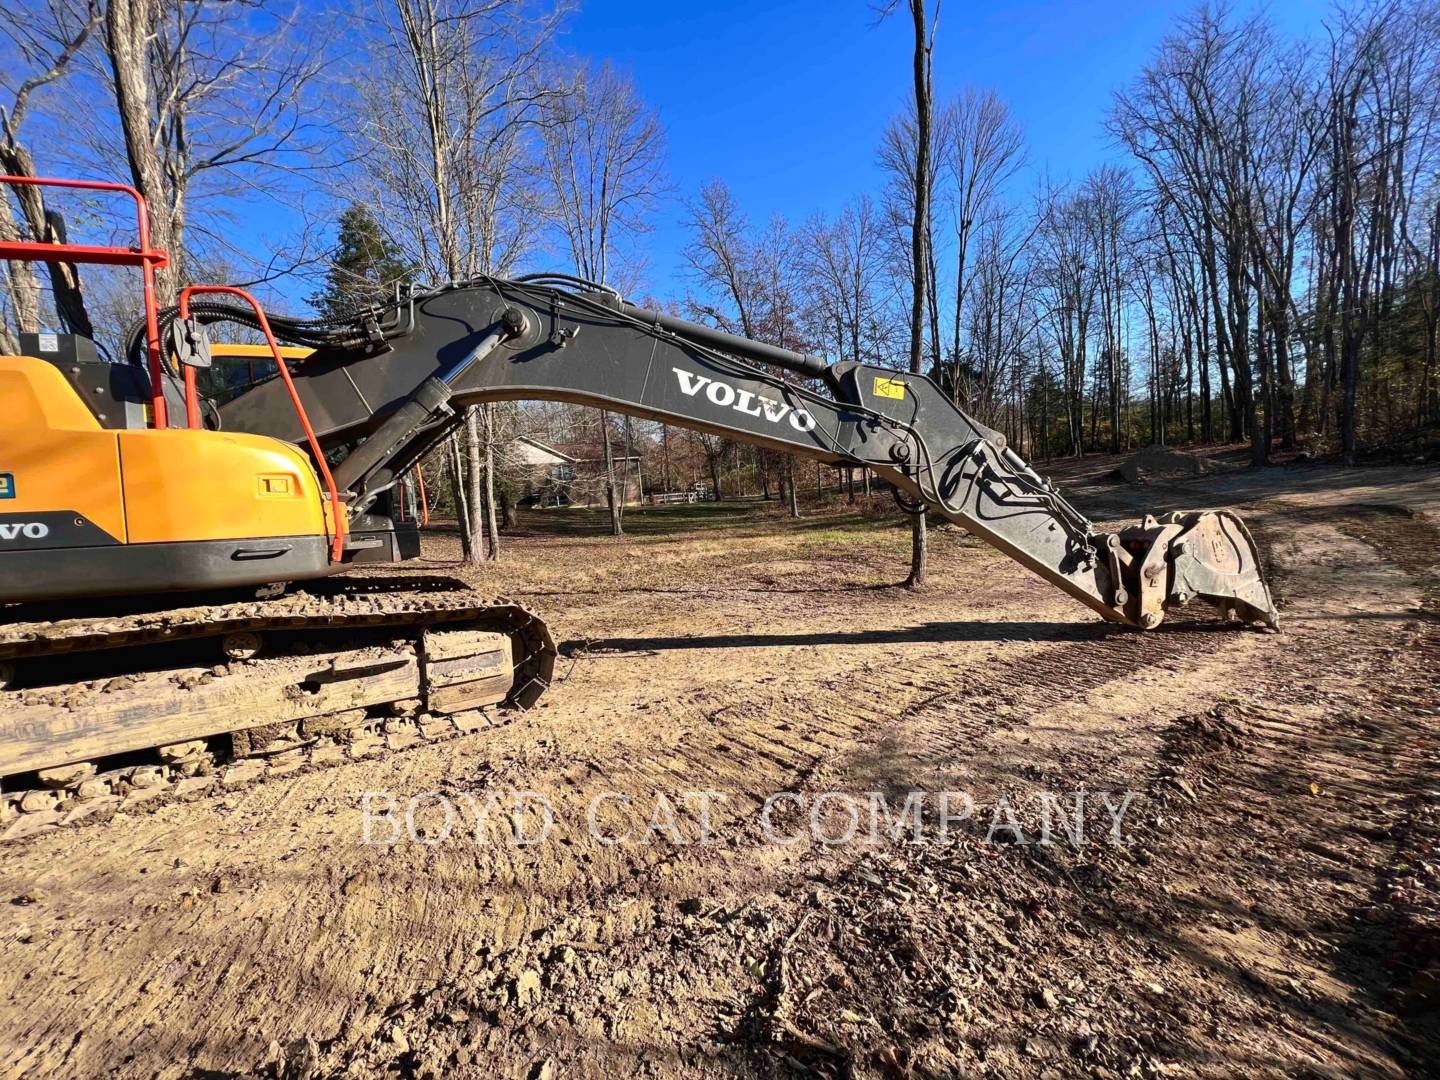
<point x="145" y="509"/>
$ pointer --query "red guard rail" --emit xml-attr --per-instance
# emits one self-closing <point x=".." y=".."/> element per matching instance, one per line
<point x="143" y="256"/>
<point x="424" y="500"/>
<point x="192" y="403"/>
<point x="148" y="259"/>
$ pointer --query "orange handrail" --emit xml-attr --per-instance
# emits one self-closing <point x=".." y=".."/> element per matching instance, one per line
<point x="424" y="502"/>
<point x="337" y="512"/>
<point x="143" y="256"/>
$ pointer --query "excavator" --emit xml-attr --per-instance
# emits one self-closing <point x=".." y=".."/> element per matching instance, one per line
<point x="189" y="537"/>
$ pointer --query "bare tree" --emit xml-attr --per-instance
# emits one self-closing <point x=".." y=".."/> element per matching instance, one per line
<point x="43" y="40"/>
<point x="213" y="103"/>
<point x="1110" y="202"/>
<point x="1288" y="143"/>
<point x="849" y="283"/>
<point x="755" y="285"/>
<point x="458" y="93"/>
<point x="1066" y="272"/>
<point x="780" y="271"/>
<point x="1190" y="120"/>
<point x="720" y="259"/>
<point x="915" y="158"/>
<point x="850" y="291"/>
<point x="984" y="150"/>
<point x="1001" y="321"/>
<point x="1383" y="122"/>
<point x="603" y="157"/>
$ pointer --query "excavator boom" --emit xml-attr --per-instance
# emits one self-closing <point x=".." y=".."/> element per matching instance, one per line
<point x="389" y="386"/>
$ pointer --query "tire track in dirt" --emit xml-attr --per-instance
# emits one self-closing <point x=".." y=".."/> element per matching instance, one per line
<point x="833" y="722"/>
<point x="777" y="741"/>
<point x="1393" y="676"/>
<point x="1317" y="765"/>
<point x="1396" y="763"/>
<point x="965" y="725"/>
<point x="672" y="876"/>
<point x="1289" y="1030"/>
<point x="793" y="731"/>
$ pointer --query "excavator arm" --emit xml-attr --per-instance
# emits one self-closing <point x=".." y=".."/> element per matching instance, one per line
<point x="389" y="384"/>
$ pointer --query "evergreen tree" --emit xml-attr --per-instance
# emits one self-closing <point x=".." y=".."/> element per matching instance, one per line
<point x="363" y="266"/>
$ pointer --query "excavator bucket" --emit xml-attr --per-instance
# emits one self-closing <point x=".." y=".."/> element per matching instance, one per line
<point x="1205" y="554"/>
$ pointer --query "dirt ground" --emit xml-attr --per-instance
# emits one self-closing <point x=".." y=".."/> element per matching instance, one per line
<point x="1271" y="907"/>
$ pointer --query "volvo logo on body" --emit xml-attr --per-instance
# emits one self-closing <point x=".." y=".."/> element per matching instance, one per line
<point x="743" y="401"/>
<point x="31" y="530"/>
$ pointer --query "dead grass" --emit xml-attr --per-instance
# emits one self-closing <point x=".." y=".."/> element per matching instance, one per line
<point x="726" y="545"/>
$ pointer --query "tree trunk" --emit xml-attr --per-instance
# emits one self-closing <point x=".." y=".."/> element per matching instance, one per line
<point x="46" y="226"/>
<point x="1207" y="415"/>
<point x="24" y="287"/>
<point x="474" y="497"/>
<point x="127" y="36"/>
<point x="932" y="279"/>
<point x="611" y="496"/>
<point x="920" y="248"/>
<point x="794" y="499"/>
<point x="919" y="544"/>
<point x="712" y="461"/>
<point x="457" y="494"/>
<point x="492" y="526"/>
<point x="1262" y="433"/>
<point x="1189" y="380"/>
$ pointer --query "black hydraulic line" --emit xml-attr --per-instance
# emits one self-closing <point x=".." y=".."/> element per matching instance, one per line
<point x="352" y="329"/>
<point x="567" y="281"/>
<point x="810" y="366"/>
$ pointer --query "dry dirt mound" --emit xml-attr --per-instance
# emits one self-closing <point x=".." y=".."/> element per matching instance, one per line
<point x="1164" y="463"/>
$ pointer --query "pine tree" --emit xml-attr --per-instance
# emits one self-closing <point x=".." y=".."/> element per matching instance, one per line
<point x="363" y="266"/>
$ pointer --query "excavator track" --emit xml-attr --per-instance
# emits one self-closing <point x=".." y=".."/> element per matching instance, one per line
<point x="128" y="707"/>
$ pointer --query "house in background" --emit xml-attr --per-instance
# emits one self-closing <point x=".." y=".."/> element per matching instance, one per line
<point x="543" y="473"/>
<point x="588" y="487"/>
<point x="551" y="477"/>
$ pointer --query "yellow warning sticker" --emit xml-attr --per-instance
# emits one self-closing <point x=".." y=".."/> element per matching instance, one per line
<point x="891" y="388"/>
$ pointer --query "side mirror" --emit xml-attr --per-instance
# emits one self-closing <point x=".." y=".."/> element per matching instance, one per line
<point x="190" y="343"/>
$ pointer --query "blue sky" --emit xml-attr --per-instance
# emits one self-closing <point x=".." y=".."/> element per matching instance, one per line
<point x="786" y="101"/>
